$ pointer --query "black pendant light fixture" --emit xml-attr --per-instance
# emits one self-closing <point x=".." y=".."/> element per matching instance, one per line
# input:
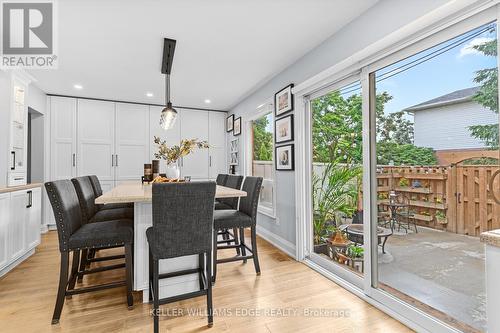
<point x="168" y="114"/>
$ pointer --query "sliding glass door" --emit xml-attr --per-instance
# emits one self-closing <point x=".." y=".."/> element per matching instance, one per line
<point x="402" y="163"/>
<point x="436" y="122"/>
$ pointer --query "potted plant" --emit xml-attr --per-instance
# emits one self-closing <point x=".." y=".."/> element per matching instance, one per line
<point x="355" y="251"/>
<point x="172" y="154"/>
<point x="441" y="217"/>
<point x="322" y="230"/>
<point x="404" y="182"/>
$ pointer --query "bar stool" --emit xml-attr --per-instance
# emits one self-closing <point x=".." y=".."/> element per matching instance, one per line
<point x="75" y="236"/>
<point x="229" y="237"/>
<point x="182" y="226"/>
<point x="244" y="217"/>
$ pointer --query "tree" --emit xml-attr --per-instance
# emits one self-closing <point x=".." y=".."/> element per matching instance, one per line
<point x="262" y="140"/>
<point x="337" y="132"/>
<point x="487" y="96"/>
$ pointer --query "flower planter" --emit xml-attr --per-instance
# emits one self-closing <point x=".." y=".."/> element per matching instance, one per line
<point x="321" y="249"/>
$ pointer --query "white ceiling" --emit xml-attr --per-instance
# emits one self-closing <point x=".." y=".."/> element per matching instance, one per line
<point x="225" y="48"/>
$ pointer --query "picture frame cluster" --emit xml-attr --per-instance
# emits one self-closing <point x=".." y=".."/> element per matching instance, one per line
<point x="233" y="125"/>
<point x="284" y="129"/>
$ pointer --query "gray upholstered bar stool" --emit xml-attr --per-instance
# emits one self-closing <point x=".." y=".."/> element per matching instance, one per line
<point x="244" y="217"/>
<point x="76" y="236"/>
<point x="228" y="236"/>
<point x="182" y="226"/>
<point x="96" y="185"/>
<point x="92" y="213"/>
<point x="221" y="179"/>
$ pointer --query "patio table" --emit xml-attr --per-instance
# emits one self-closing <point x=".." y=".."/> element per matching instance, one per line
<point x="355" y="234"/>
<point x="393" y="206"/>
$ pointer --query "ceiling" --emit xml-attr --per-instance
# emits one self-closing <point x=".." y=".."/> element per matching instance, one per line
<point x="225" y="48"/>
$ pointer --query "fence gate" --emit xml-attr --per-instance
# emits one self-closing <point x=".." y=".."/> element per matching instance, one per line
<point x="477" y="199"/>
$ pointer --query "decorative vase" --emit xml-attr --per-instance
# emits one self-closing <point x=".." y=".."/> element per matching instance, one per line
<point x="172" y="171"/>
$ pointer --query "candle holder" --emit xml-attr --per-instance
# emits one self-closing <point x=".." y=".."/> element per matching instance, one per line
<point x="148" y="173"/>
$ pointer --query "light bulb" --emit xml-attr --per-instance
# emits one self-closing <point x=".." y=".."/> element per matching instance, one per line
<point x="168" y="117"/>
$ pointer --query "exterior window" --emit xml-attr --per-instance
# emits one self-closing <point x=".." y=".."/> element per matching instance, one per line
<point x="262" y="159"/>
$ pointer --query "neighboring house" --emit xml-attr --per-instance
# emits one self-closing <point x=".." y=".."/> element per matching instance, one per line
<point x="443" y="123"/>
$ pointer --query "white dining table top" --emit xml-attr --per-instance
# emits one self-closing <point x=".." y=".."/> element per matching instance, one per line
<point x="135" y="191"/>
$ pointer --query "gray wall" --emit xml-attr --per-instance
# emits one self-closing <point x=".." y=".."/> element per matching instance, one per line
<point x="377" y="22"/>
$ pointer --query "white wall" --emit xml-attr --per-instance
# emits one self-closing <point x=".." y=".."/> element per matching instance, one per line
<point x="377" y="22"/>
<point x="446" y="127"/>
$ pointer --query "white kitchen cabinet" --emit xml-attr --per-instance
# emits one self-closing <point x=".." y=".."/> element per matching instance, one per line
<point x="194" y="125"/>
<point x="63" y="137"/>
<point x="217" y="141"/>
<point x="18" y="132"/>
<point x="172" y="135"/>
<point x="132" y="141"/>
<point x="96" y="139"/>
<point x="34" y="213"/>
<point x="4" y="231"/>
<point x="20" y="226"/>
<point x="17" y="224"/>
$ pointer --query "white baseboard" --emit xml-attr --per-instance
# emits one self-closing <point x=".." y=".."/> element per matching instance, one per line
<point x="279" y="242"/>
<point x="16" y="262"/>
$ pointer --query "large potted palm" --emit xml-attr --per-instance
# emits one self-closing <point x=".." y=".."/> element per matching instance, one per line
<point x="335" y="192"/>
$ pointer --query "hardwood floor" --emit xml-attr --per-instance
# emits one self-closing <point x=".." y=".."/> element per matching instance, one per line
<point x="28" y="293"/>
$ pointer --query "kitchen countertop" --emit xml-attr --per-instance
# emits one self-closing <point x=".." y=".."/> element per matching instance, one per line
<point x="137" y="192"/>
<point x="19" y="188"/>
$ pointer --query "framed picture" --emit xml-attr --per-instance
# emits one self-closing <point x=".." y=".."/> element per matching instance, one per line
<point x="237" y="126"/>
<point x="283" y="101"/>
<point x="229" y="123"/>
<point x="284" y="158"/>
<point x="283" y="129"/>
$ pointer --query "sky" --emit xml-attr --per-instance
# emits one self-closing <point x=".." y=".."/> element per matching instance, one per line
<point x="449" y="71"/>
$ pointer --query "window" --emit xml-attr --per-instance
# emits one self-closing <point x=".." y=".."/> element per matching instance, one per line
<point x="261" y="141"/>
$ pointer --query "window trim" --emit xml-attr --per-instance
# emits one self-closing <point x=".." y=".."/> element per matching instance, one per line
<point x="263" y="109"/>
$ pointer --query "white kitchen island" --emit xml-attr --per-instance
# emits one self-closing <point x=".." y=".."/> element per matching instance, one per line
<point x="141" y="195"/>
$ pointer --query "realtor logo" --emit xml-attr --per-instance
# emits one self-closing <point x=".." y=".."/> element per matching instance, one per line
<point x="28" y="34"/>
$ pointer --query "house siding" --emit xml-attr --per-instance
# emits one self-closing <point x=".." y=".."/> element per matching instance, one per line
<point x="446" y="127"/>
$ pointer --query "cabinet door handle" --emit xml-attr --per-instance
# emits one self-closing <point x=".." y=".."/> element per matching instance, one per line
<point x="30" y="199"/>
<point x="112" y="160"/>
<point x="116" y="161"/>
<point x="210" y="157"/>
<point x="13" y="167"/>
<point x="74" y="160"/>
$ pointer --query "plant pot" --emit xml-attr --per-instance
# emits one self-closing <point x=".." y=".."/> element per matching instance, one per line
<point x="321" y="249"/>
<point x="442" y="220"/>
<point x="172" y="171"/>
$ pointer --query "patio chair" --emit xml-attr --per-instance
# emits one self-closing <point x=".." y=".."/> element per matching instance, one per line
<point x="404" y="215"/>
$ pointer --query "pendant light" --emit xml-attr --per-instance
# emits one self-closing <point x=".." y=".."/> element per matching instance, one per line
<point x="168" y="114"/>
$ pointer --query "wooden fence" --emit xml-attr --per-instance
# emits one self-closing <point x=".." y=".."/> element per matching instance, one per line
<point x="460" y="192"/>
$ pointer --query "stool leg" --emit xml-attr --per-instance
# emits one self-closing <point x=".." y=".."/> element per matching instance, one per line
<point x="242" y="244"/>
<point x="236" y="240"/>
<point x="129" y="273"/>
<point x="150" y="277"/>
<point x="156" y="296"/>
<point x="254" y="250"/>
<point x="201" y="265"/>
<point x="209" y="291"/>
<point x="83" y="264"/>
<point x="61" y="292"/>
<point x="74" y="271"/>
<point x="214" y="276"/>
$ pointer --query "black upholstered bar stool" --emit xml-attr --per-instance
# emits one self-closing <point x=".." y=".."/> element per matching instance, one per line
<point x="96" y="185"/>
<point x="182" y="226"/>
<point x="75" y="236"/>
<point x="244" y="217"/>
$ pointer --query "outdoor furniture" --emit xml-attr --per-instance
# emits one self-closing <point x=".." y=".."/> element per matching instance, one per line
<point x="394" y="206"/>
<point x="404" y="214"/>
<point x="355" y="234"/>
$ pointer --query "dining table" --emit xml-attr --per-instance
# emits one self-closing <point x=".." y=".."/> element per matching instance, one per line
<point x="140" y="194"/>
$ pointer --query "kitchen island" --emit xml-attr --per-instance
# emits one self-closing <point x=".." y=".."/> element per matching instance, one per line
<point x="141" y="196"/>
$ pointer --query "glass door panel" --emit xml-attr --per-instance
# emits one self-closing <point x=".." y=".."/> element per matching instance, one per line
<point x="437" y="152"/>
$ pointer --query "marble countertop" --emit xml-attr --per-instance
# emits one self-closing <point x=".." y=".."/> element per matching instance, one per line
<point x="137" y="192"/>
<point x="491" y="237"/>
<point x="19" y="188"/>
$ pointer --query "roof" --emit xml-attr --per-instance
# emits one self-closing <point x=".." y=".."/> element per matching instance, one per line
<point x="458" y="96"/>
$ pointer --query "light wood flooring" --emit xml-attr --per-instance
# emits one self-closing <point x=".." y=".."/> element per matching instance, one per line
<point x="28" y="293"/>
